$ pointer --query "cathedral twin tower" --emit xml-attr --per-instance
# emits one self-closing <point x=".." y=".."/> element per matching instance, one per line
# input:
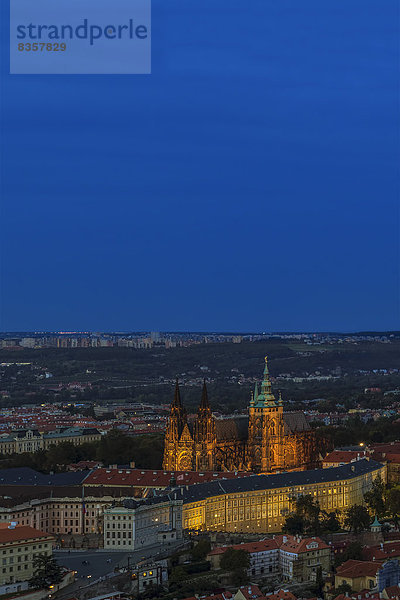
<point x="268" y="439"/>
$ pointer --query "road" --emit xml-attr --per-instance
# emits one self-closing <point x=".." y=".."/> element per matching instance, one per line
<point x="98" y="561"/>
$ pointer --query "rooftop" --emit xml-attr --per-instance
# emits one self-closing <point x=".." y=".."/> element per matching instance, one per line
<point x="28" y="476"/>
<point x="19" y="533"/>
<point x="343" y="456"/>
<point x="358" y="568"/>
<point x="157" y="479"/>
<point x="250" y="547"/>
<point x="250" y="483"/>
<point x="297" y="544"/>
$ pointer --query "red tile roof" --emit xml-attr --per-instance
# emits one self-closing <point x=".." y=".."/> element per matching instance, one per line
<point x="251" y="591"/>
<point x="221" y="596"/>
<point x="251" y="547"/>
<point x="19" y="533"/>
<point x="297" y="545"/>
<point x="385" y="447"/>
<point x="158" y="479"/>
<point x="393" y="591"/>
<point x="281" y="595"/>
<point x="358" y="568"/>
<point x="386" y="456"/>
<point x="382" y="552"/>
<point x="343" y="456"/>
<point x="364" y="595"/>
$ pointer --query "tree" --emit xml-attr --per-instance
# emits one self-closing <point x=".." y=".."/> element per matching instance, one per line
<point x="375" y="498"/>
<point x="354" y="551"/>
<point x="47" y="572"/>
<point x="393" y="503"/>
<point x="294" y="524"/>
<point x="331" y="522"/>
<point x="235" y="559"/>
<point x="200" y="550"/>
<point x="319" y="581"/>
<point x="237" y="562"/>
<point x="344" y="588"/>
<point x="308" y="509"/>
<point x="305" y="518"/>
<point x="357" y="518"/>
<point x="178" y="574"/>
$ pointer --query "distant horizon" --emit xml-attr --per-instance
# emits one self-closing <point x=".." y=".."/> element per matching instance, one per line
<point x="203" y="332"/>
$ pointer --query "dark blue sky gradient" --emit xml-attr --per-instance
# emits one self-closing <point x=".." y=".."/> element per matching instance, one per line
<point x="250" y="183"/>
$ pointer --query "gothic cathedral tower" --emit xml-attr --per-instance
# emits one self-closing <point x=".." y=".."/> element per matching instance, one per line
<point x="265" y="450"/>
<point x="204" y="435"/>
<point x="177" y="422"/>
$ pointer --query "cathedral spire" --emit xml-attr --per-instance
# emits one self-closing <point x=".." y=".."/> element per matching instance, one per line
<point x="204" y="397"/>
<point x="177" y="396"/>
<point x="266" y="396"/>
<point x="266" y="384"/>
<point x="266" y="370"/>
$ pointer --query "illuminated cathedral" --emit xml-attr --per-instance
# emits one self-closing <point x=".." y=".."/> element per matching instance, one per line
<point x="268" y="439"/>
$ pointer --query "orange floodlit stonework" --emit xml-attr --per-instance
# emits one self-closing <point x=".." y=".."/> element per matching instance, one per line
<point x="269" y="439"/>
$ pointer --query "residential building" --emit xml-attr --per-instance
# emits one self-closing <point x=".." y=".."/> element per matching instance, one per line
<point x="300" y="558"/>
<point x="280" y="595"/>
<point x="337" y="458"/>
<point x="288" y="557"/>
<point x="150" y="573"/>
<point x="368" y="575"/>
<point x="19" y="546"/>
<point x="263" y="556"/>
<point x="249" y="592"/>
<point x="389" y="454"/>
<point x="383" y="551"/>
<point x="137" y="524"/>
<point x="60" y="515"/>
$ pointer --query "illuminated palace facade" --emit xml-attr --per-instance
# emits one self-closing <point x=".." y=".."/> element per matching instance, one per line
<point x="261" y="503"/>
<point x="269" y="439"/>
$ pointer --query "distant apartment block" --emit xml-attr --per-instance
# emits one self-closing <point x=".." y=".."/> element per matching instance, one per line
<point x="31" y="440"/>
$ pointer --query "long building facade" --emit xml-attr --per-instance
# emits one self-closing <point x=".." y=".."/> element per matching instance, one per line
<point x="32" y="440"/>
<point x="269" y="439"/>
<point x="261" y="503"/>
<point x="252" y="504"/>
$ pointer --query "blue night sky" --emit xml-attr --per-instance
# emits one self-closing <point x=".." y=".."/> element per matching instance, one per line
<point x="250" y="183"/>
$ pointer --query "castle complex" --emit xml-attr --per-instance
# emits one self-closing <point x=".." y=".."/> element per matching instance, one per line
<point x="267" y="440"/>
